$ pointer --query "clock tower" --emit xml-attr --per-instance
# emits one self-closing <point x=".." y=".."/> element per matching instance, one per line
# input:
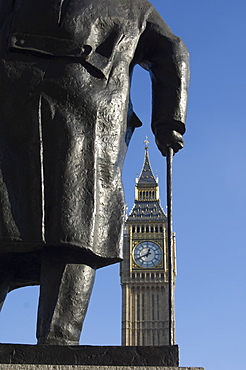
<point x="144" y="270"/>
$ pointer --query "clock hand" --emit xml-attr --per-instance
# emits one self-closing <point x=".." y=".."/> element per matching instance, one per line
<point x="149" y="252"/>
<point x="146" y="254"/>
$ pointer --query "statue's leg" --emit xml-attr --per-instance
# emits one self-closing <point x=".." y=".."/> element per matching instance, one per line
<point x="4" y="289"/>
<point x="6" y="275"/>
<point x="65" y="291"/>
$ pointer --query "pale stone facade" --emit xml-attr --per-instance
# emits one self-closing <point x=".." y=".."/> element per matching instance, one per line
<point x="144" y="271"/>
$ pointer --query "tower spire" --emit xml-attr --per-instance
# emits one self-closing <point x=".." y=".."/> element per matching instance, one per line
<point x="147" y="201"/>
<point x="146" y="177"/>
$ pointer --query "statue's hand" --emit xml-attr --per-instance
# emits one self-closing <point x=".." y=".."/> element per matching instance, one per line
<point x="169" y="138"/>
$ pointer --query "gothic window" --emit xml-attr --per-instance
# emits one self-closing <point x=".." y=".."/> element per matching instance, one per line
<point x="158" y="338"/>
<point x="143" y="306"/>
<point x="157" y="307"/>
<point x="153" y="307"/>
<point x="138" y="307"/>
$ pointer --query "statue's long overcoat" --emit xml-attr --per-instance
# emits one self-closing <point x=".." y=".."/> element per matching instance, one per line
<point x="65" y="117"/>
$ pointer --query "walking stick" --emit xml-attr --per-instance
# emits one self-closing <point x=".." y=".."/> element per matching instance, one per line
<point x="170" y="245"/>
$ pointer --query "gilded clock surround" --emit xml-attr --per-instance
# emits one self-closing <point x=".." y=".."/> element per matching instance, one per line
<point x="146" y="255"/>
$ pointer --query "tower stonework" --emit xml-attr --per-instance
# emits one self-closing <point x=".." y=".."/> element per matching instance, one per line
<point x="144" y="270"/>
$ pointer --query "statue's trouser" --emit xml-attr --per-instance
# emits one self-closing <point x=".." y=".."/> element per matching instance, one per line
<point x="4" y="289"/>
<point x="65" y="291"/>
<point x="5" y="278"/>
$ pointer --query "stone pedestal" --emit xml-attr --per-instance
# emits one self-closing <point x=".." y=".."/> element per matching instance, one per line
<point x="44" y="357"/>
<point x="89" y="355"/>
<point x="75" y="367"/>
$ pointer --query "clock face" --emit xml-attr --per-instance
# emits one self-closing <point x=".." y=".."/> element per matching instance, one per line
<point x="147" y="254"/>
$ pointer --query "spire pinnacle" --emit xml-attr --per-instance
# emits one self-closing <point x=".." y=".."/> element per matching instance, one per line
<point x="146" y="177"/>
<point x="146" y="141"/>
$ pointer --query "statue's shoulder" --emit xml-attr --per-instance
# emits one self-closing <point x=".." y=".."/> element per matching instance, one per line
<point x="139" y="6"/>
<point x="143" y="5"/>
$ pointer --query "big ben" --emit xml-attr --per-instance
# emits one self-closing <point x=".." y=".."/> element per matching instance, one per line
<point x="144" y="270"/>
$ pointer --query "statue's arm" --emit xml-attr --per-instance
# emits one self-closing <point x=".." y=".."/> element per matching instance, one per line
<point x="166" y="57"/>
<point x="6" y="7"/>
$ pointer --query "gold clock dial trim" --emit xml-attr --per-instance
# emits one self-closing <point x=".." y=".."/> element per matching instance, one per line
<point x="147" y="254"/>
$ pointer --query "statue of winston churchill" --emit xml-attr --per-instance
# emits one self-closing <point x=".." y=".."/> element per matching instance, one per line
<point x="65" y="123"/>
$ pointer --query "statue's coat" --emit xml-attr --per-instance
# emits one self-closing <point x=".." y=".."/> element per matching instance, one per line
<point x="66" y="120"/>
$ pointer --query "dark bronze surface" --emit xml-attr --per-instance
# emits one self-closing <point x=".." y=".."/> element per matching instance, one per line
<point x="89" y="355"/>
<point x="65" y="121"/>
<point x="170" y="247"/>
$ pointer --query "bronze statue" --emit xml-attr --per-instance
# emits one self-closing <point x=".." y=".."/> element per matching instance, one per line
<point x="66" y="120"/>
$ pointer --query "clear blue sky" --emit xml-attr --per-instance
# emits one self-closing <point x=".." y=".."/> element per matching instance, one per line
<point x="209" y="199"/>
